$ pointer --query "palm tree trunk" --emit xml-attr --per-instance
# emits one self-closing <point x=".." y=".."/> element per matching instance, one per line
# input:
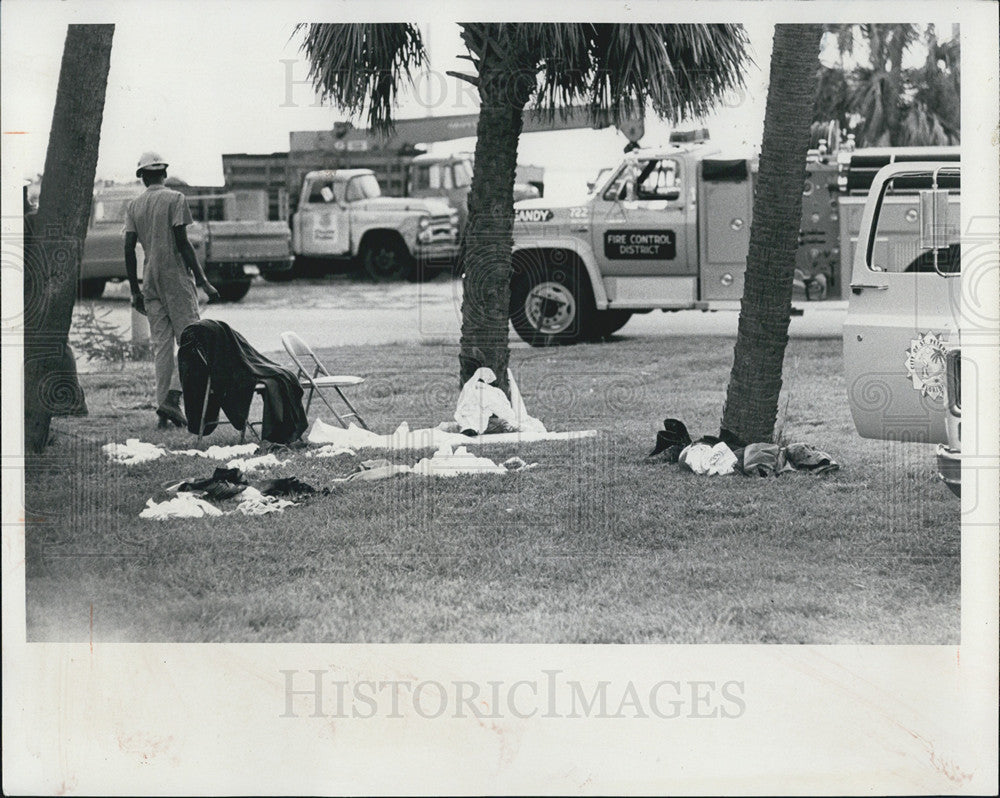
<point x="504" y="89"/>
<point x="54" y="238"/>
<point x="755" y="382"/>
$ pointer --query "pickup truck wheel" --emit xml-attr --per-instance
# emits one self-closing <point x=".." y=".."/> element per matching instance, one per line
<point x="607" y="322"/>
<point x="92" y="288"/>
<point x="233" y="291"/>
<point x="386" y="259"/>
<point x="551" y="305"/>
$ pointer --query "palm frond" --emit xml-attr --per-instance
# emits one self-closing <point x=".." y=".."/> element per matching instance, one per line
<point x="361" y="66"/>
<point x="615" y="69"/>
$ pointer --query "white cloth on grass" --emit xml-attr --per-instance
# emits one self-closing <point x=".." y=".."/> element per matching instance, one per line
<point x="448" y="463"/>
<point x="183" y="505"/>
<point x="702" y="458"/>
<point x="446" y="434"/>
<point x="332" y="450"/>
<point x="445" y="462"/>
<point x="250" y="463"/>
<point x="253" y="502"/>
<point x="479" y="400"/>
<point x="220" y="452"/>
<point x="133" y="451"/>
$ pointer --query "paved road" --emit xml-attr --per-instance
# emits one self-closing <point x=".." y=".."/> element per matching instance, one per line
<point x="337" y="311"/>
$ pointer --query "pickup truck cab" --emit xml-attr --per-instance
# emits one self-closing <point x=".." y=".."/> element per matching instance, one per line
<point x="902" y="333"/>
<point x="342" y="215"/>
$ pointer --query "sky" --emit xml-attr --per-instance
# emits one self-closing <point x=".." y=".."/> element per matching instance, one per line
<point x="189" y="83"/>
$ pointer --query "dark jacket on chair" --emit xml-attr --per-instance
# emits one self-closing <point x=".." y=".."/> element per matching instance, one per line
<point x="213" y="348"/>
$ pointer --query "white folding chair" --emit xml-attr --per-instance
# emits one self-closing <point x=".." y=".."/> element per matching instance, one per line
<point x="319" y="378"/>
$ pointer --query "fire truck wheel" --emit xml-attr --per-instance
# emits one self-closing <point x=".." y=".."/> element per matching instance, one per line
<point x="551" y="303"/>
<point x="385" y="258"/>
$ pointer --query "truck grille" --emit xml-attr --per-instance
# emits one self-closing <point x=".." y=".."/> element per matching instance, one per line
<point x="441" y="228"/>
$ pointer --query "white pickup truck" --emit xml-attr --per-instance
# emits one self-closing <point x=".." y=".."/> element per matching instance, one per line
<point x="232" y="252"/>
<point x="342" y="216"/>
<point x="902" y="333"/>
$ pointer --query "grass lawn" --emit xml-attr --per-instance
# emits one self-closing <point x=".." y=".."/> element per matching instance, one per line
<point x="596" y="544"/>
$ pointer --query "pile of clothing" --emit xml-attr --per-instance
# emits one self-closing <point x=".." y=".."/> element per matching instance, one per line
<point x="726" y="454"/>
<point x="200" y="498"/>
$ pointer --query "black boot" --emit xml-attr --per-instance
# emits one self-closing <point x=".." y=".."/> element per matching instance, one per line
<point x="170" y="410"/>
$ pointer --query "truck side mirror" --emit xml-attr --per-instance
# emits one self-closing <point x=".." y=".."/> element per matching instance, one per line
<point x="933" y="219"/>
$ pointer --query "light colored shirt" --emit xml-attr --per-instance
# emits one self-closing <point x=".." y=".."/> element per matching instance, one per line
<point x="152" y="216"/>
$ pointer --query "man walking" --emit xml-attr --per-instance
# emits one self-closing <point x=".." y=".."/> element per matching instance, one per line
<point x="158" y="220"/>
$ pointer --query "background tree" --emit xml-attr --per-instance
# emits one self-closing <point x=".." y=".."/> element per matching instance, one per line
<point x="53" y="241"/>
<point x="751" y="406"/>
<point x="615" y="69"/>
<point x="882" y="103"/>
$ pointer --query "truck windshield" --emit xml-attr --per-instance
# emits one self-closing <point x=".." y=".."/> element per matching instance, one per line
<point x="658" y="179"/>
<point x="363" y="187"/>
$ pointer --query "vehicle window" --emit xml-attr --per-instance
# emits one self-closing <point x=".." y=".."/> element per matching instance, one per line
<point x="445" y="173"/>
<point x="362" y="187"/>
<point x="207" y="209"/>
<point x="896" y="246"/>
<point x="658" y="179"/>
<point x="327" y="191"/>
<point x="462" y="174"/>
<point x="614" y="189"/>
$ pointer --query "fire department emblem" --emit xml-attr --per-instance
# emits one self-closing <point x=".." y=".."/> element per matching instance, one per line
<point x="925" y="365"/>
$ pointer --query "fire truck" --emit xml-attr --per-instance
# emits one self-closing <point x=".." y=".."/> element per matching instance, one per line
<point x="669" y="229"/>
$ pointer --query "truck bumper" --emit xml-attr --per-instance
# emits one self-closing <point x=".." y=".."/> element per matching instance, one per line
<point x="443" y="253"/>
<point x="277" y="266"/>
<point x="226" y="272"/>
<point x="949" y="464"/>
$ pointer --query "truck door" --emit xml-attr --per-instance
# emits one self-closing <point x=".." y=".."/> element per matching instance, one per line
<point x="321" y="226"/>
<point x="640" y="222"/>
<point x="902" y="314"/>
<point x="725" y="210"/>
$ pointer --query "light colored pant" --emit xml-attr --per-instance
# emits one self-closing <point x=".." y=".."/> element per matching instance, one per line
<point x="167" y="320"/>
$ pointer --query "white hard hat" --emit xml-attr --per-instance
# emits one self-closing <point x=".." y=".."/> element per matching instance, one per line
<point x="150" y="160"/>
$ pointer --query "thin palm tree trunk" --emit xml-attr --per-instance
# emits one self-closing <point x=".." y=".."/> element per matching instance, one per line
<point x="751" y="404"/>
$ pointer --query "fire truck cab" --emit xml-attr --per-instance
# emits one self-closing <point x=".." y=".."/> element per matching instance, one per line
<point x="668" y="228"/>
